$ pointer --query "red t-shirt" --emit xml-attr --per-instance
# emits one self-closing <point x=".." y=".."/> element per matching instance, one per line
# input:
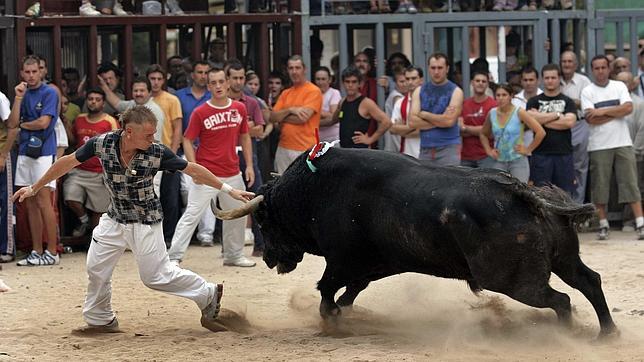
<point x="474" y="115"/>
<point x="84" y="130"/>
<point x="218" y="130"/>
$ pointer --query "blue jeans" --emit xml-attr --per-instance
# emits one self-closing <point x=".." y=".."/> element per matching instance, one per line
<point x="519" y="168"/>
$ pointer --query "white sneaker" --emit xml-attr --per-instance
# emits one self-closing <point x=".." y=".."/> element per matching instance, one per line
<point x="35" y="259"/>
<point x="87" y="9"/>
<point x="48" y="258"/>
<point x="80" y="230"/>
<point x="241" y="262"/>
<point x="118" y="9"/>
<point x="32" y="259"/>
<point x="249" y="238"/>
<point x="174" y="7"/>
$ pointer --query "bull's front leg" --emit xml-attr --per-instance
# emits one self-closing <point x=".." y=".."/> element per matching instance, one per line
<point x="330" y="283"/>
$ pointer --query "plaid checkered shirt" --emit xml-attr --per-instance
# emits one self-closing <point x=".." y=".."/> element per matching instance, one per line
<point x="131" y="188"/>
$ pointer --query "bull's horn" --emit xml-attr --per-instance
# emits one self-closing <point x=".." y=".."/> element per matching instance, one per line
<point x="276" y="175"/>
<point x="244" y="210"/>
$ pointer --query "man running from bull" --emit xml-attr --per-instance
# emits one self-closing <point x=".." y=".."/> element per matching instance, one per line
<point x="130" y="159"/>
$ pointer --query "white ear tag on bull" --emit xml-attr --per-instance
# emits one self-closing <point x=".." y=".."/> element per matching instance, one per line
<point x="317" y="151"/>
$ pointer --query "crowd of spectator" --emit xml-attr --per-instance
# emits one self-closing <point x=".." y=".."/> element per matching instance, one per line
<point x="559" y="128"/>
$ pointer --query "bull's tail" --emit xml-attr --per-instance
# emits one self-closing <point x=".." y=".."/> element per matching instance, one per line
<point x="553" y="199"/>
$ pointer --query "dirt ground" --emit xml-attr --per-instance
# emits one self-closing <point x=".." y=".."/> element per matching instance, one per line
<point x="409" y="317"/>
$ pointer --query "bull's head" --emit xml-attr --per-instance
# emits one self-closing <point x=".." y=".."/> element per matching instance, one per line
<point x="279" y="250"/>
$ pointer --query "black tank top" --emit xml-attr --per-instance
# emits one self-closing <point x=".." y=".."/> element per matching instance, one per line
<point x="351" y="121"/>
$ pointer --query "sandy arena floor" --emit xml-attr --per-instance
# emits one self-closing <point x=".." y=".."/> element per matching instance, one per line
<point x="408" y="317"/>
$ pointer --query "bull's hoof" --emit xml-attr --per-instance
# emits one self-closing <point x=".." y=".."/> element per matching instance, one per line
<point x="330" y="311"/>
<point x="608" y="335"/>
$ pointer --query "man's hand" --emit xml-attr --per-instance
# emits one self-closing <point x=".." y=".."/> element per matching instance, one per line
<point x="594" y="113"/>
<point x="300" y="113"/>
<point x="361" y="138"/>
<point x="240" y="195"/>
<point x="22" y="194"/>
<point x="21" y="89"/>
<point x="250" y="175"/>
<point x="3" y="160"/>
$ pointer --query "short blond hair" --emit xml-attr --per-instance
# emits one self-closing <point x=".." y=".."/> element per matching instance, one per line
<point x="138" y="115"/>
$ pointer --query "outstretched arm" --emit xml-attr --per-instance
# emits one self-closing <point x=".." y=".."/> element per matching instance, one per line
<point x="201" y="175"/>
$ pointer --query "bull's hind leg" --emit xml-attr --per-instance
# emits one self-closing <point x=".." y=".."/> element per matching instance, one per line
<point x="353" y="289"/>
<point x="576" y="274"/>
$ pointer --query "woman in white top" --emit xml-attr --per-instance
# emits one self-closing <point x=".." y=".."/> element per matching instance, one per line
<point x="331" y="99"/>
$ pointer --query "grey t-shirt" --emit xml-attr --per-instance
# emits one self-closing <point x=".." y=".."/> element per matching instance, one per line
<point x="123" y="106"/>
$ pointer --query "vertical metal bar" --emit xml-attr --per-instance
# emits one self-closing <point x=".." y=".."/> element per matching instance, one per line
<point x="231" y="41"/>
<point x="540" y="30"/>
<point x="619" y="37"/>
<point x="555" y="40"/>
<point x="465" y="60"/>
<point x="264" y="56"/>
<point x="380" y="56"/>
<point x="599" y="43"/>
<point x="418" y="43"/>
<point x="482" y="41"/>
<point x="57" y="61"/>
<point x="21" y="40"/>
<point x="196" y="41"/>
<point x="343" y="47"/>
<point x="501" y="51"/>
<point x="163" y="46"/>
<point x="127" y="60"/>
<point x="92" y="56"/>
<point x="297" y="35"/>
<point x="592" y="33"/>
<point x="634" y="49"/>
<point x="577" y="36"/>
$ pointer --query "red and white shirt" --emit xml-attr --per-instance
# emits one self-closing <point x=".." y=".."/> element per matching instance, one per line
<point x="84" y="130"/>
<point x="218" y="130"/>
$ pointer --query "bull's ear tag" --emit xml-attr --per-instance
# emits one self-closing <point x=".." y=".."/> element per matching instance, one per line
<point x="320" y="149"/>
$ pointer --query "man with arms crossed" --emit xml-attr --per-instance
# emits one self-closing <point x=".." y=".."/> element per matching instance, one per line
<point x="605" y="103"/>
<point x="297" y="112"/>
<point x="435" y="107"/>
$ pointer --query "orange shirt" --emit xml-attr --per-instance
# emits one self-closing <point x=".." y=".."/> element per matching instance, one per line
<point x="300" y="137"/>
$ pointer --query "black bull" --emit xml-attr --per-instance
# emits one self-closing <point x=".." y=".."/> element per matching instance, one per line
<point x="373" y="214"/>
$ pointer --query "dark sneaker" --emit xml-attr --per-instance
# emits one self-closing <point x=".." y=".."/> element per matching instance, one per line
<point x="603" y="234"/>
<point x="640" y="233"/>
<point x="210" y="313"/>
<point x="111" y="327"/>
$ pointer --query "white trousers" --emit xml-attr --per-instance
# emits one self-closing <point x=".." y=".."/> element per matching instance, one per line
<point x="109" y="240"/>
<point x="199" y="199"/>
<point x="208" y="220"/>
